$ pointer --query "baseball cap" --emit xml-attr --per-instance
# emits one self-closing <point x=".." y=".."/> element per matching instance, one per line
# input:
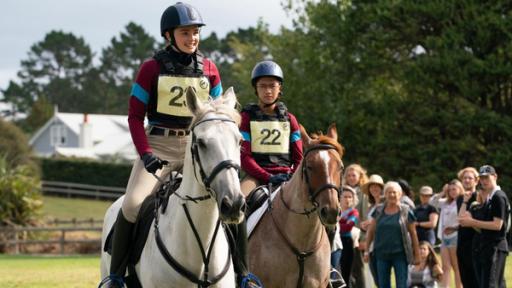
<point x="486" y="170"/>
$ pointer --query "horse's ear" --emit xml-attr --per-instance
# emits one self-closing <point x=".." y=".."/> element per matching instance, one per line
<point x="332" y="132"/>
<point x="306" y="140"/>
<point x="193" y="102"/>
<point x="229" y="97"/>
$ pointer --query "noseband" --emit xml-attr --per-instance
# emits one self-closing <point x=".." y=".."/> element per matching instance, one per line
<point x="313" y="193"/>
<point x="226" y="164"/>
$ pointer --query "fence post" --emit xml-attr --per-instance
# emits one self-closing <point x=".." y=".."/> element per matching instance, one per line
<point x="62" y="241"/>
<point x="16" y="242"/>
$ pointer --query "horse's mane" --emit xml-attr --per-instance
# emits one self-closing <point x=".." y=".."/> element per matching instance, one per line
<point x="218" y="107"/>
<point x="322" y="139"/>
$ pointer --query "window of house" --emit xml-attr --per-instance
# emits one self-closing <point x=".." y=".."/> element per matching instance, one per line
<point x="58" y="135"/>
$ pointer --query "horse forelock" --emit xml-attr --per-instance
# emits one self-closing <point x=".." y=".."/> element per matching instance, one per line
<point x="218" y="108"/>
<point x="322" y="139"/>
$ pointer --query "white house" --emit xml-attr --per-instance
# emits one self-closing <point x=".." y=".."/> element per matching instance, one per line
<point x="94" y="136"/>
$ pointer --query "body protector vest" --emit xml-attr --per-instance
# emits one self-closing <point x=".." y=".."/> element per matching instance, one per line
<point x="270" y="136"/>
<point x="167" y="102"/>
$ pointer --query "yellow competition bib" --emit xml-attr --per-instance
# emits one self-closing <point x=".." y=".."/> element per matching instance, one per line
<point x="172" y="91"/>
<point x="270" y="137"/>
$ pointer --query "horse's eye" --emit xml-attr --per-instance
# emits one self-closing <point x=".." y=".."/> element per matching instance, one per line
<point x="201" y="143"/>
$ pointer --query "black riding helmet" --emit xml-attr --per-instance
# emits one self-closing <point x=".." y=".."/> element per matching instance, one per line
<point x="179" y="14"/>
<point x="266" y="68"/>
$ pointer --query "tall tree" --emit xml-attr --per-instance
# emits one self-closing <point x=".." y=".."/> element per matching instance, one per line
<point x="119" y="65"/>
<point x="419" y="89"/>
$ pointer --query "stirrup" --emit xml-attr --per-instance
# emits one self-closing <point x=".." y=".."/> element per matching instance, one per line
<point x="250" y="281"/>
<point x="336" y="280"/>
<point x="112" y="280"/>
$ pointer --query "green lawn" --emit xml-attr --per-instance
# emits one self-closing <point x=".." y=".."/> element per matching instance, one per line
<point x="68" y="208"/>
<point x="71" y="271"/>
<point x="49" y="272"/>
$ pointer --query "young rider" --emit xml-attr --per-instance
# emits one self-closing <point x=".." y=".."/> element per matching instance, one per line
<point x="272" y="147"/>
<point x="158" y="93"/>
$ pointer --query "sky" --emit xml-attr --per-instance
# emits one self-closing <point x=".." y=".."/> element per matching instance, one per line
<point x="26" y="22"/>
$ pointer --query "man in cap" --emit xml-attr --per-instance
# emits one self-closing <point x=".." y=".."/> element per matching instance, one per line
<point x="490" y="248"/>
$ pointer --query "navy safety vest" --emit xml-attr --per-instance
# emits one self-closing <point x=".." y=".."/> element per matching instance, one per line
<point x="167" y="102"/>
<point x="270" y="135"/>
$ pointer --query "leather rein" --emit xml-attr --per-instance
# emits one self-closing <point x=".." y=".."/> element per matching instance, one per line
<point x="205" y="280"/>
<point x="302" y="255"/>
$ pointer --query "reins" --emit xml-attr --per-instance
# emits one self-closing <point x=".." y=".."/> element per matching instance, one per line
<point x="206" y="281"/>
<point x="302" y="255"/>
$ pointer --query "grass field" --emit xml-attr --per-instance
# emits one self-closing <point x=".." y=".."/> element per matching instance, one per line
<point x="71" y="271"/>
<point x="49" y="272"/>
<point x="68" y="208"/>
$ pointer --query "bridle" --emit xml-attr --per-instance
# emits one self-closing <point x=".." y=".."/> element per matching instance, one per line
<point x="206" y="281"/>
<point x="226" y="164"/>
<point x="312" y="194"/>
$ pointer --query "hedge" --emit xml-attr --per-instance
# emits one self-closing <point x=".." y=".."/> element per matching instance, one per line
<point x="85" y="172"/>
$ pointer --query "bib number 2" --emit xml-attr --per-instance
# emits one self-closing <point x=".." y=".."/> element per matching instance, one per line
<point x="177" y="99"/>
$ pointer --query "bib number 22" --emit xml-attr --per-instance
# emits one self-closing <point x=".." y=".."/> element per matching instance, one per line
<point x="267" y="133"/>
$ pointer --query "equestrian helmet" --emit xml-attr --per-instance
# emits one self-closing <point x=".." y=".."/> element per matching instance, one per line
<point x="180" y="14"/>
<point x="266" y="68"/>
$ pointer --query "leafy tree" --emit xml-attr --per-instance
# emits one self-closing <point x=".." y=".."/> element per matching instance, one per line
<point x="55" y="69"/>
<point x="418" y="89"/>
<point x="119" y="65"/>
<point x="21" y="194"/>
<point x="14" y="148"/>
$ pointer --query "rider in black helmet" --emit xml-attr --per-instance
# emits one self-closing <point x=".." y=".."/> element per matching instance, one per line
<point x="274" y="157"/>
<point x="161" y="145"/>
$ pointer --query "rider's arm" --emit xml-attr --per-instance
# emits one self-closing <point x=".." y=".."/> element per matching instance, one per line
<point x="214" y="77"/>
<point x="138" y="102"/>
<point x="295" y="142"/>
<point x="248" y="163"/>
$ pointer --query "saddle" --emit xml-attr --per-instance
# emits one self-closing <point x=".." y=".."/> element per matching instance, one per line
<point x="259" y="201"/>
<point x="158" y="200"/>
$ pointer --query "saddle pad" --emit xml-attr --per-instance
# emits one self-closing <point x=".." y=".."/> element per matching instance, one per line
<point x="255" y="217"/>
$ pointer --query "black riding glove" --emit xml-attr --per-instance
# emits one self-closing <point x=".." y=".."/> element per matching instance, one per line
<point x="277" y="179"/>
<point x="152" y="163"/>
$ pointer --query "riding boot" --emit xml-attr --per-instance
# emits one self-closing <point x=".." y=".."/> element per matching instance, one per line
<point x="121" y="239"/>
<point x="238" y="244"/>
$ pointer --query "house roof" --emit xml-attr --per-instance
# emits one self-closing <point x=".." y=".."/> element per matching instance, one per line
<point x="110" y="134"/>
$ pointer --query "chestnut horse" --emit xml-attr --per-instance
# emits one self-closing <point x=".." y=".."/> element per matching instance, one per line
<point x="289" y="247"/>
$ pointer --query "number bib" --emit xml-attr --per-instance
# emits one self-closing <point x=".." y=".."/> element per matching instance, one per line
<point x="270" y="137"/>
<point x="172" y="93"/>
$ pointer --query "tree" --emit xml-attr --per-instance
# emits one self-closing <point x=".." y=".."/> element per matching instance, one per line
<point x="55" y="69"/>
<point x="119" y="65"/>
<point x="14" y="148"/>
<point x="419" y="90"/>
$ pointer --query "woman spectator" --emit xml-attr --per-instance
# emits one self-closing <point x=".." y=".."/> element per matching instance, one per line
<point x="396" y="244"/>
<point x="373" y="188"/>
<point x="428" y="272"/>
<point x="355" y="177"/>
<point x="447" y="229"/>
<point x="349" y="217"/>
<point x="426" y="216"/>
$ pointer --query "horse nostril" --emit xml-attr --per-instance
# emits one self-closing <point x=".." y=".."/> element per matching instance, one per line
<point x="329" y="215"/>
<point x="226" y="206"/>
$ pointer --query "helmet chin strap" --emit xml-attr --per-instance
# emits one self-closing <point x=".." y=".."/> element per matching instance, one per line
<point x="270" y="104"/>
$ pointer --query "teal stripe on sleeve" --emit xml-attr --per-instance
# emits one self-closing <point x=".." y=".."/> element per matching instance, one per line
<point x="216" y="91"/>
<point x="246" y="136"/>
<point x="295" y="136"/>
<point x="140" y="93"/>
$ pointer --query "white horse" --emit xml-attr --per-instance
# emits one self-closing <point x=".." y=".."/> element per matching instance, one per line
<point x="189" y="230"/>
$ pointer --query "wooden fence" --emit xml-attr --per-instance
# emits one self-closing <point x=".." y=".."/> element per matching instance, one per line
<point x="16" y="237"/>
<point x="82" y="190"/>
